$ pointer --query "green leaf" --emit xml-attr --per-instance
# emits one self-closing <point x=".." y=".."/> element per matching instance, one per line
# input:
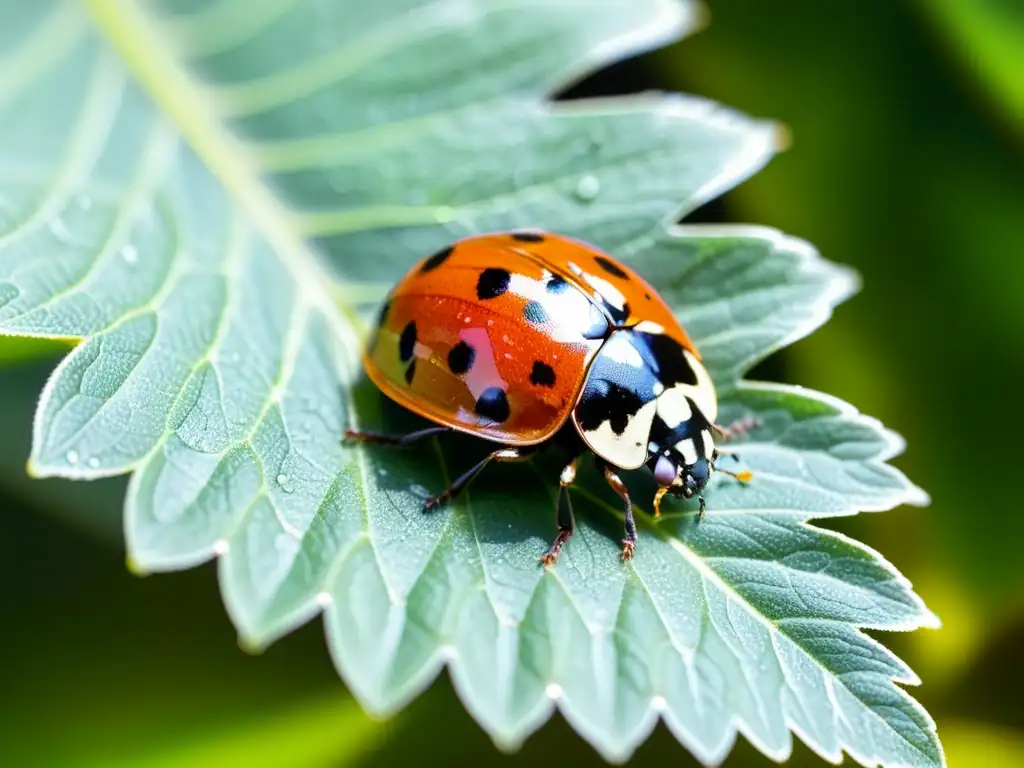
<point x="215" y="201"/>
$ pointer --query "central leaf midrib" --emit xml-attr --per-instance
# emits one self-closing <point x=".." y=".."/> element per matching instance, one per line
<point x="146" y="54"/>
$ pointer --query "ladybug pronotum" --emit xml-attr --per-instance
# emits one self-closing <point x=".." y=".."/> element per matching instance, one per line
<point x="530" y="338"/>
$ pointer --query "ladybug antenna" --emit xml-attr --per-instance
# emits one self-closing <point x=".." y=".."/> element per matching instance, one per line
<point x="744" y="477"/>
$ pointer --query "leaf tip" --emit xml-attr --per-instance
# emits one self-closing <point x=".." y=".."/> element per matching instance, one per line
<point x="917" y="496"/>
<point x="251" y="645"/>
<point x="781" y="135"/>
<point x="135" y="567"/>
<point x="34" y="470"/>
<point x="700" y="17"/>
<point x="929" y="619"/>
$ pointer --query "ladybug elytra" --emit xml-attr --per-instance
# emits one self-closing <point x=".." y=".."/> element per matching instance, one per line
<point x="529" y="338"/>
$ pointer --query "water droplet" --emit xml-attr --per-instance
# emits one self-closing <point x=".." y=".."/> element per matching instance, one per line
<point x="588" y="188"/>
<point x="282" y="480"/>
<point x="220" y="547"/>
<point x="71" y="456"/>
<point x="324" y="599"/>
<point x="554" y="691"/>
<point x="94" y="462"/>
<point x="130" y="253"/>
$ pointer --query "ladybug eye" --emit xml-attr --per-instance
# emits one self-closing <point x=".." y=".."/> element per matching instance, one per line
<point x="665" y="471"/>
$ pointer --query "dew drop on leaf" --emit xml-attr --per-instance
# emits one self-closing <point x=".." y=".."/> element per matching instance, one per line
<point x="94" y="462"/>
<point x="71" y="456"/>
<point x="588" y="188"/>
<point x="130" y="254"/>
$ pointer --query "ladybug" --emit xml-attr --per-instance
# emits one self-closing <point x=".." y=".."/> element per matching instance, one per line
<point x="530" y="338"/>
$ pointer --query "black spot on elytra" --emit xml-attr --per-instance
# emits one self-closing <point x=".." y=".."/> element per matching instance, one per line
<point x="607" y="401"/>
<point x="460" y="358"/>
<point x="493" y="404"/>
<point x="543" y="375"/>
<point x="610" y="267"/>
<point x="407" y="342"/>
<point x="528" y="237"/>
<point x="492" y="283"/>
<point x="647" y="296"/>
<point x="410" y="372"/>
<point x="534" y="312"/>
<point x="437" y="259"/>
<point x="672" y="365"/>
<point x="556" y="284"/>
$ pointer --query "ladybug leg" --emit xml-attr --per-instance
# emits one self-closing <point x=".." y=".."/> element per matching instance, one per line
<point x="737" y="428"/>
<point x="402" y="440"/>
<point x="502" y="454"/>
<point x="565" y="518"/>
<point x="628" y="543"/>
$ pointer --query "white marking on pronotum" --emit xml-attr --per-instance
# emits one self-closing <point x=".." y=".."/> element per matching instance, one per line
<point x="627" y="450"/>
<point x="688" y="449"/>
<point x="709" y="443"/>
<point x="620" y="349"/>
<point x="703" y="393"/>
<point x="673" y="407"/>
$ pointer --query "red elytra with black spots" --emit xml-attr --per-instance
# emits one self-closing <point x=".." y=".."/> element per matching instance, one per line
<point x="531" y="338"/>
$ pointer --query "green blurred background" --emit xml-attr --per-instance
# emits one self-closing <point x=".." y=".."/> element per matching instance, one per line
<point x="906" y="163"/>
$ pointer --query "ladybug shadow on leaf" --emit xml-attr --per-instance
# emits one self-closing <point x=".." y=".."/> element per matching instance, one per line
<point x="510" y="503"/>
<point x="507" y="504"/>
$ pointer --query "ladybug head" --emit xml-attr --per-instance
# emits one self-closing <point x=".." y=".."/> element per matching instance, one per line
<point x="675" y="476"/>
<point x="679" y="478"/>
